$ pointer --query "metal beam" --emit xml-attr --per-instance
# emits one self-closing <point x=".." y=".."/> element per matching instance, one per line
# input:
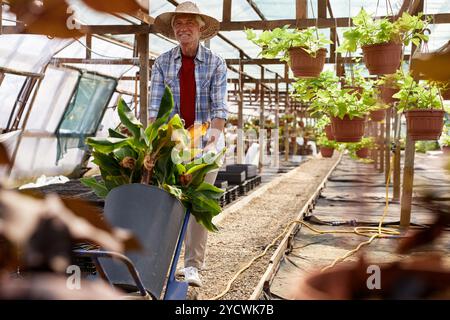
<point x="256" y="9"/>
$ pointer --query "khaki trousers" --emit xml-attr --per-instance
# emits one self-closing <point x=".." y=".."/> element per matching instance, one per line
<point x="197" y="236"/>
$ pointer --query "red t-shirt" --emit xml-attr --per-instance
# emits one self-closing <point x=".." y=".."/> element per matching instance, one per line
<point x="187" y="90"/>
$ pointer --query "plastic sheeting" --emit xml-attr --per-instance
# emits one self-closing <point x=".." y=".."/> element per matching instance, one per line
<point x="9" y="91"/>
<point x="28" y="52"/>
<point x="52" y="99"/>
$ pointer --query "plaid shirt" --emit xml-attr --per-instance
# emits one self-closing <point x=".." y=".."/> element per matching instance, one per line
<point x="210" y="80"/>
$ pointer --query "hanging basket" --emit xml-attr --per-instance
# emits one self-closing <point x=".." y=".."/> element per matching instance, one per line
<point x="424" y="124"/>
<point x="329" y="132"/>
<point x="382" y="58"/>
<point x="358" y="91"/>
<point x="326" y="152"/>
<point x="386" y="94"/>
<point x="346" y="130"/>
<point x="377" y="115"/>
<point x="363" y="153"/>
<point x="445" y="94"/>
<point x="304" y="65"/>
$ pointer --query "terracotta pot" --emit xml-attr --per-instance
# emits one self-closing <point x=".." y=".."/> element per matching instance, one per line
<point x="305" y="66"/>
<point x="329" y="132"/>
<point x="424" y="124"/>
<point x="346" y="130"/>
<point x="363" y="153"/>
<point x="446" y="149"/>
<point x="326" y="152"/>
<point x="386" y="94"/>
<point x="445" y="94"/>
<point x="377" y="115"/>
<point x="382" y="58"/>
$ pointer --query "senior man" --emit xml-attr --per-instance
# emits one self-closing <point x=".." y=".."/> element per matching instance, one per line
<point x="198" y="80"/>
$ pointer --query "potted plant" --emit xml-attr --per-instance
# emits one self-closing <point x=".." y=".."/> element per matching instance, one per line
<point x="355" y="82"/>
<point x="388" y="85"/>
<point x="382" y="40"/>
<point x="361" y="149"/>
<point x="323" y="125"/>
<point x="287" y="118"/>
<point x="233" y="120"/>
<point x="347" y="113"/>
<point x="423" y="108"/>
<point x="160" y="155"/>
<point x="326" y="146"/>
<point x="304" y="49"/>
<point x="445" y="143"/>
<point x="444" y="88"/>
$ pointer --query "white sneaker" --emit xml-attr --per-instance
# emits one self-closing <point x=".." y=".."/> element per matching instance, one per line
<point x="190" y="276"/>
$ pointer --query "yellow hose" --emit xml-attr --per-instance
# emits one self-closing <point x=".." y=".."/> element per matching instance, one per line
<point x="371" y="232"/>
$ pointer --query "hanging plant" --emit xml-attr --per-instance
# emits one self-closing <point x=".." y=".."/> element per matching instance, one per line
<point x="326" y="146"/>
<point x="382" y="40"/>
<point x="388" y="85"/>
<point x="160" y="155"/>
<point x="304" y="49"/>
<point x="360" y="150"/>
<point x="423" y="107"/>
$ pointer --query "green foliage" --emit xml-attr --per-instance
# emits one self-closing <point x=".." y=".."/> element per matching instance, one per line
<point x="352" y="147"/>
<point x="305" y="89"/>
<point x="445" y="137"/>
<point x="445" y="140"/>
<point x="325" y="97"/>
<point x="323" y="141"/>
<point x="393" y="80"/>
<point x="370" y="31"/>
<point x="322" y="123"/>
<point x="415" y="95"/>
<point x="160" y="156"/>
<point x="337" y="102"/>
<point x="277" y="42"/>
<point x="424" y="146"/>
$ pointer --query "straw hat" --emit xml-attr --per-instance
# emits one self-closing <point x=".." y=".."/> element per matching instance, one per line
<point x="164" y="20"/>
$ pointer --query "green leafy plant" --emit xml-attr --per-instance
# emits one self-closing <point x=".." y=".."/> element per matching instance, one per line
<point x="370" y="31"/>
<point x="305" y="89"/>
<point x="323" y="141"/>
<point x="322" y="123"/>
<point x="445" y="140"/>
<point x="355" y="77"/>
<point x="339" y="103"/>
<point x="366" y="142"/>
<point x="445" y="137"/>
<point x="159" y="155"/>
<point x="415" y="95"/>
<point x="287" y="117"/>
<point x="276" y="43"/>
<point x="393" y="80"/>
<point x="424" y="146"/>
